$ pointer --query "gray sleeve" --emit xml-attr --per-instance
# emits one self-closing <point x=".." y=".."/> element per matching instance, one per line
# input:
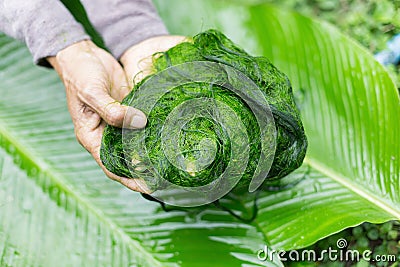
<point x="123" y="23"/>
<point x="46" y="26"/>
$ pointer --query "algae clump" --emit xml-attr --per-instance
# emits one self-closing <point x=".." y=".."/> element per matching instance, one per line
<point x="202" y="136"/>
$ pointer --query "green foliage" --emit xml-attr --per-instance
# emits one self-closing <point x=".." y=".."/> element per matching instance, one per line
<point x="383" y="240"/>
<point x="371" y="22"/>
<point x="215" y="47"/>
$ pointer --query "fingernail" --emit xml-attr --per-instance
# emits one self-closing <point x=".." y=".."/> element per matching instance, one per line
<point x="138" y="121"/>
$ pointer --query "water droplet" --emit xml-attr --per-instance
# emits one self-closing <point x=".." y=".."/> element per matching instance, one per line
<point x="317" y="187"/>
<point x="27" y="205"/>
<point x="11" y="149"/>
<point x="33" y="171"/>
<point x="17" y="160"/>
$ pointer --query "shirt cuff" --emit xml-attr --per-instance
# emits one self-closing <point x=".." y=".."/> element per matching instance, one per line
<point x="124" y="23"/>
<point x="45" y="26"/>
<point x="57" y="39"/>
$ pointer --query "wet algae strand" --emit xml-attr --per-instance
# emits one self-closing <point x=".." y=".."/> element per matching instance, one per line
<point x="210" y="46"/>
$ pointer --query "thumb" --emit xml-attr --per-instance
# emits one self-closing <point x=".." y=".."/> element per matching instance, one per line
<point x="118" y="115"/>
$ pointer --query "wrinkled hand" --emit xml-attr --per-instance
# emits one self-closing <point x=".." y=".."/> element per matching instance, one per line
<point x="95" y="83"/>
<point x="137" y="60"/>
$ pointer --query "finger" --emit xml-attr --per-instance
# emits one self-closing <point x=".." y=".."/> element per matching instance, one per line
<point x="139" y="70"/>
<point x="116" y="114"/>
<point x="134" y="184"/>
<point x="89" y="131"/>
<point x="86" y="119"/>
<point x="137" y="60"/>
<point x="119" y="87"/>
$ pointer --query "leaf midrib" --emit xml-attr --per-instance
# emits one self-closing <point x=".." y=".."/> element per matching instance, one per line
<point x="346" y="182"/>
<point x="57" y="179"/>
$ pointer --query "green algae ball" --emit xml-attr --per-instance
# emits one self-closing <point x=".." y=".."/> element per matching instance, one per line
<point x="200" y="149"/>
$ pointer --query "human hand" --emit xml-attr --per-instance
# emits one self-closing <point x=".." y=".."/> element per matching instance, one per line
<point x="137" y="60"/>
<point x="95" y="83"/>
